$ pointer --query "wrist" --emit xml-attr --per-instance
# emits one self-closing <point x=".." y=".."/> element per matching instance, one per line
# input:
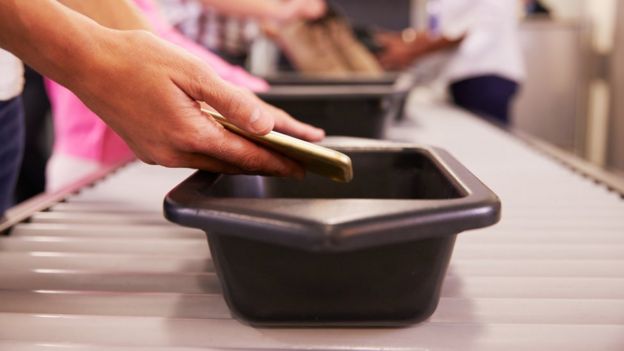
<point x="106" y="52"/>
<point x="83" y="53"/>
<point x="287" y="12"/>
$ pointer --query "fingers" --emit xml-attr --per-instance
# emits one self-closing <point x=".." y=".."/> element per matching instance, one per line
<point x="244" y="109"/>
<point x="394" y="57"/>
<point x="192" y="139"/>
<point x="222" y="152"/>
<point x="313" y="9"/>
<point x="287" y="124"/>
<point x="207" y="163"/>
<point x="203" y="162"/>
<point x="385" y="38"/>
<point x="202" y="135"/>
<point x="195" y="161"/>
<point x="217" y="142"/>
<point x="240" y="106"/>
<point x="382" y="39"/>
<point x="388" y="62"/>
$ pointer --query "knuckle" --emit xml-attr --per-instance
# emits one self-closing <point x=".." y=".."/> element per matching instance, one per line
<point x="188" y="136"/>
<point x="213" y="142"/>
<point x="234" y="103"/>
<point x="192" y="141"/>
<point x="251" y="162"/>
<point x="140" y="154"/>
<point x="202" y="84"/>
<point x="220" y="146"/>
<point x="194" y="144"/>
<point x="146" y="160"/>
<point x="202" y="79"/>
<point x="169" y="160"/>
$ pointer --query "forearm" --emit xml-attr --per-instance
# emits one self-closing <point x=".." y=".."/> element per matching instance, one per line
<point x="49" y="37"/>
<point x="265" y="9"/>
<point x="426" y="44"/>
<point x="442" y="43"/>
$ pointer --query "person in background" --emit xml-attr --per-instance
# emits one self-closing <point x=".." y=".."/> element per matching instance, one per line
<point x="83" y="143"/>
<point x="485" y="68"/>
<point x="11" y="126"/>
<point x="536" y="8"/>
<point x="144" y="88"/>
<point x="227" y="27"/>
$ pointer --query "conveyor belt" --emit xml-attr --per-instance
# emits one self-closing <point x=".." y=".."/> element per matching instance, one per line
<point x="105" y="271"/>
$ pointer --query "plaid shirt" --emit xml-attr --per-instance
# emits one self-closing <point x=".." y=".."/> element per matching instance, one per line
<point x="227" y="36"/>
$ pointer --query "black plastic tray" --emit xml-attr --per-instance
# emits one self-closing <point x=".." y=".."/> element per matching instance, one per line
<point x="287" y="78"/>
<point x="372" y="252"/>
<point x="341" y="109"/>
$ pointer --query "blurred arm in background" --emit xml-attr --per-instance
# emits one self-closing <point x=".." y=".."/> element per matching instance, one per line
<point x="402" y="49"/>
<point x="270" y="9"/>
<point x="486" y="69"/>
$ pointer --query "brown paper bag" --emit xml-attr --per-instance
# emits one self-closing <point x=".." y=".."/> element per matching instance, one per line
<point x="353" y="53"/>
<point x="326" y="46"/>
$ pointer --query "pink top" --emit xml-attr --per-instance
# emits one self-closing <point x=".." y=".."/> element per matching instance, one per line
<point x="80" y="133"/>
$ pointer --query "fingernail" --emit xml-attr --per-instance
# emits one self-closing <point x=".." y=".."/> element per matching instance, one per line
<point x="321" y="133"/>
<point x="260" y="123"/>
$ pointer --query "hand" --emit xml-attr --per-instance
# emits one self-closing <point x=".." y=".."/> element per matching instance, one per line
<point x="396" y="53"/>
<point x="311" y="9"/>
<point x="303" y="9"/>
<point x="147" y="91"/>
<point x="399" y="53"/>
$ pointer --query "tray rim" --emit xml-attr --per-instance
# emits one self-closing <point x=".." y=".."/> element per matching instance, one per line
<point x="416" y="219"/>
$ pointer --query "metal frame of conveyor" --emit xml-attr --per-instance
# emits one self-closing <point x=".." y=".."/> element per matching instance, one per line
<point x="42" y="202"/>
<point x="24" y="211"/>
<point x="575" y="163"/>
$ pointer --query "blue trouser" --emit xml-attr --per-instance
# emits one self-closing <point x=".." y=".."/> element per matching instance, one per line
<point x="11" y="148"/>
<point x="489" y="96"/>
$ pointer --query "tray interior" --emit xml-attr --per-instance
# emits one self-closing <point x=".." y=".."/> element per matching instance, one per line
<point x="377" y="175"/>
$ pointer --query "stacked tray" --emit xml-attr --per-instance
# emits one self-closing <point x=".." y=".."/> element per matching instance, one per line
<point x="286" y="78"/>
<point x="360" y="107"/>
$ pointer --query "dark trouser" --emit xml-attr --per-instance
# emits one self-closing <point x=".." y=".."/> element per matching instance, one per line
<point x="11" y="148"/>
<point x="234" y="59"/>
<point x="31" y="180"/>
<point x="488" y="96"/>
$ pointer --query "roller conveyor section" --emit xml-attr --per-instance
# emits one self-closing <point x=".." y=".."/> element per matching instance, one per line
<point x="105" y="271"/>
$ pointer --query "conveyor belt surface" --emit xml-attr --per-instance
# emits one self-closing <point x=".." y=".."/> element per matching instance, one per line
<point x="105" y="271"/>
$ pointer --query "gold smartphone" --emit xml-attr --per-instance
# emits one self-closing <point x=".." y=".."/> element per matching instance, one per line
<point x="315" y="158"/>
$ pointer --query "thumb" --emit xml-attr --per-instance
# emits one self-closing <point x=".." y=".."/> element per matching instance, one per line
<point x="240" y="106"/>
